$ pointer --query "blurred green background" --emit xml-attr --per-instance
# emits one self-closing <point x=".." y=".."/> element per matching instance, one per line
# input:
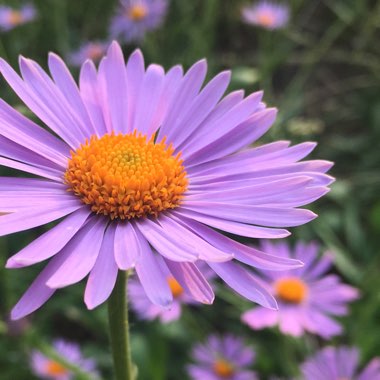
<point x="323" y="73"/>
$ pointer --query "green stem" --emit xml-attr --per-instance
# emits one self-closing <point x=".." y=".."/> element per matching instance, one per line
<point x="119" y="330"/>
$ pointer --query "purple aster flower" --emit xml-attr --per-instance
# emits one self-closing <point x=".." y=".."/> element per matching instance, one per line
<point x="266" y="14"/>
<point x="10" y="17"/>
<point x="222" y="358"/>
<point x="135" y="17"/>
<point x="304" y="295"/>
<point x="46" y="368"/>
<point x="147" y="310"/>
<point x="93" y="50"/>
<point x="144" y="159"/>
<point x="339" y="363"/>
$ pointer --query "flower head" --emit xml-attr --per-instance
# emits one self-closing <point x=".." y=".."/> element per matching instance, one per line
<point x="136" y="17"/>
<point x="93" y="50"/>
<point x="11" y="18"/>
<point x="266" y="14"/>
<point x="147" y="310"/>
<point x="49" y="369"/>
<point x="222" y="358"/>
<point x="140" y="160"/>
<point x="305" y="299"/>
<point x="339" y="363"/>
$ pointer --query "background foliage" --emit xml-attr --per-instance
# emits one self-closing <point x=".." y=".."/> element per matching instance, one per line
<point x="323" y="73"/>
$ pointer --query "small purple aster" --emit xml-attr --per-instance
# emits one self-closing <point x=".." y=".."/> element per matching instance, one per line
<point x="266" y="14"/>
<point x="47" y="368"/>
<point x="304" y="295"/>
<point x="136" y="17"/>
<point x="93" y="50"/>
<point x="222" y="358"/>
<point x="339" y="363"/>
<point x="142" y="159"/>
<point x="11" y="17"/>
<point x="147" y="310"/>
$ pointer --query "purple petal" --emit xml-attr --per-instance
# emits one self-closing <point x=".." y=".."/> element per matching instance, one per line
<point x="260" y="317"/>
<point x="48" y="104"/>
<point x="151" y="275"/>
<point x="241" y="252"/>
<point x="289" y="322"/>
<point x="187" y="91"/>
<point x="260" y="193"/>
<point x="322" y="325"/>
<point x="244" y="283"/>
<point x="126" y="246"/>
<point x="227" y="122"/>
<point x="172" y="81"/>
<point x="200" y="108"/>
<point x="135" y="73"/>
<point x="35" y="217"/>
<point x="69" y="89"/>
<point x="239" y="137"/>
<point x="15" y="184"/>
<point x="14" y="151"/>
<point x="38" y="293"/>
<point x="145" y="120"/>
<point x="205" y="251"/>
<point x="192" y="280"/>
<point x="51" y="242"/>
<point x="80" y="254"/>
<point x="21" y="130"/>
<point x="371" y="371"/>
<point x="116" y="85"/>
<point x="166" y="244"/>
<point x="102" y="278"/>
<point x="45" y="172"/>
<point x="102" y="94"/>
<point x="261" y="215"/>
<point x="89" y="92"/>
<point x="234" y="227"/>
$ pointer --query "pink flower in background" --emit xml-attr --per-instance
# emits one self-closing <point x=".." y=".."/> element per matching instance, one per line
<point x="141" y="159"/>
<point x="339" y="363"/>
<point x="307" y="297"/>
<point x="266" y="14"/>
<point x="147" y="310"/>
<point x="11" y="17"/>
<point x="136" y="17"/>
<point x="93" y="50"/>
<point x="50" y="369"/>
<point x="222" y="358"/>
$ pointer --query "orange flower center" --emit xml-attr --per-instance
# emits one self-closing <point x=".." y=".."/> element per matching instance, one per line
<point x="15" y="17"/>
<point x="175" y="287"/>
<point x="266" y="19"/>
<point x="54" y="368"/>
<point x="223" y="368"/>
<point x="137" y="12"/>
<point x="291" y="290"/>
<point x="126" y="176"/>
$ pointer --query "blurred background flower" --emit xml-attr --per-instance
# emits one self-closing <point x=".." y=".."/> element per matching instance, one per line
<point x="266" y="14"/>
<point x="12" y="17"/>
<point x="47" y="368"/>
<point x="145" y="309"/>
<point x="221" y="358"/>
<point x="336" y="363"/>
<point x="305" y="298"/>
<point x="136" y="17"/>
<point x="93" y="50"/>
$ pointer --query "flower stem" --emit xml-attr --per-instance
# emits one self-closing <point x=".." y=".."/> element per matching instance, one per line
<point x="119" y="330"/>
